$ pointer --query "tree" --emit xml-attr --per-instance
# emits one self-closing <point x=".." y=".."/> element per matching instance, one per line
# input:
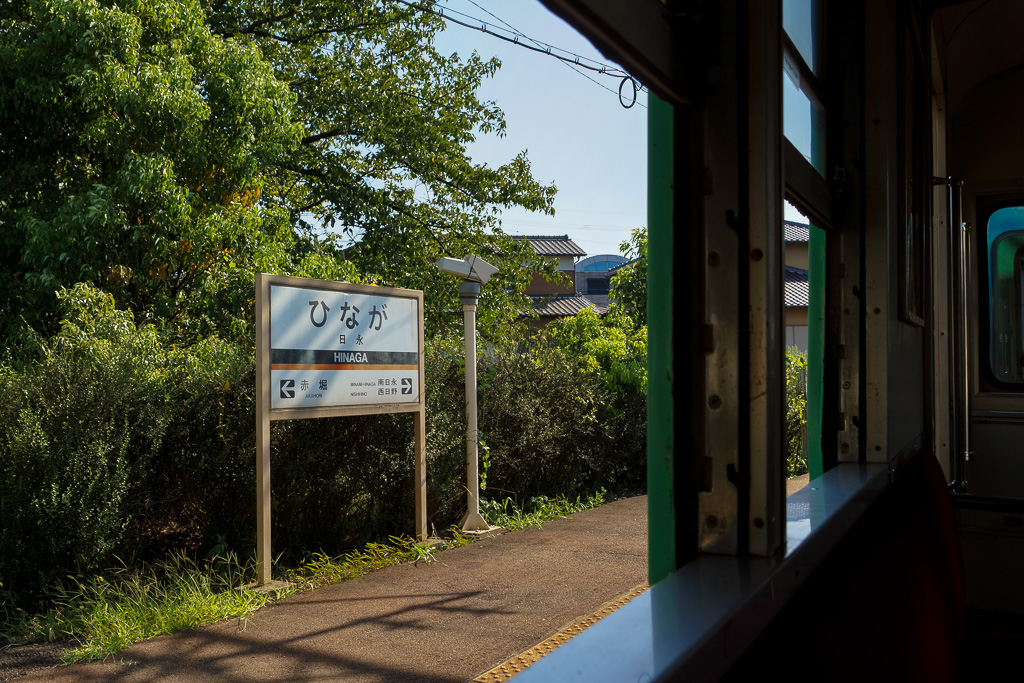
<point x="629" y="284"/>
<point x="164" y="150"/>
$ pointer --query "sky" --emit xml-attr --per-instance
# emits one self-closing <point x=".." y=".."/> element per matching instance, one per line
<point x="575" y="132"/>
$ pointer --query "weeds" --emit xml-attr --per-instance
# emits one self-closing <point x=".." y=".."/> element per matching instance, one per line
<point x="106" y="614"/>
<point x="536" y="511"/>
<point x="323" y="570"/>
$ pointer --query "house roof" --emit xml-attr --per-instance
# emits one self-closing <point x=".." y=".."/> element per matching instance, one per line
<point x="561" y="306"/>
<point x="601" y="302"/>
<point x="796" y="290"/>
<point x="552" y="245"/>
<point x="795" y="232"/>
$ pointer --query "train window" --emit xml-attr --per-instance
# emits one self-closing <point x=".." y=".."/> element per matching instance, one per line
<point x="1005" y="260"/>
<point x="915" y="97"/>
<point x="804" y="112"/>
<point x="803" y="117"/>
<point x="802" y="22"/>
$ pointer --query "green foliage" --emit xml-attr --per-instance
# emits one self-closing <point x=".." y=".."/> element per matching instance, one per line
<point x="88" y="434"/>
<point x="154" y="155"/>
<point x="536" y="511"/>
<point x="107" y="613"/>
<point x="554" y="427"/>
<point x="111" y="611"/>
<point x="75" y="432"/>
<point x="134" y="141"/>
<point x="613" y="347"/>
<point x="629" y="284"/>
<point x="164" y="151"/>
<point x="119" y="442"/>
<point x="796" y="412"/>
<point x="323" y="570"/>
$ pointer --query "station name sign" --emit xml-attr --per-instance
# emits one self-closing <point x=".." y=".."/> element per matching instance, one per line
<point x="337" y="345"/>
<point x="327" y="349"/>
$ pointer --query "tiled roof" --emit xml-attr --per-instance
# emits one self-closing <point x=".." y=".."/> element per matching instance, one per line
<point x="552" y="245"/>
<point x="795" y="232"/>
<point x="601" y="301"/>
<point x="561" y="306"/>
<point x="796" y="293"/>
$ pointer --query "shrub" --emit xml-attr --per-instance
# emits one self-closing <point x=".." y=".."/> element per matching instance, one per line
<point x="75" y="432"/>
<point x="117" y="442"/>
<point x="796" y="412"/>
<point x="556" y="422"/>
<point x="613" y="348"/>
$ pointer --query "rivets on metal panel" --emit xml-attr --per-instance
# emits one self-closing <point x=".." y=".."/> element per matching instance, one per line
<point x="758" y="522"/>
<point x="756" y="254"/>
<point x="714" y="259"/>
<point x="714" y="402"/>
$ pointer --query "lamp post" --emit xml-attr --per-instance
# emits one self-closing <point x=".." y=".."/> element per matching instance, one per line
<point x="474" y="272"/>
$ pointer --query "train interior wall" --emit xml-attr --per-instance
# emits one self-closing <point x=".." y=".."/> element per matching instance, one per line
<point x="982" y="64"/>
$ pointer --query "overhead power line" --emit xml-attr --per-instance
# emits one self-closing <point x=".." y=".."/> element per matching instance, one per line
<point x="570" y="65"/>
<point x="626" y="95"/>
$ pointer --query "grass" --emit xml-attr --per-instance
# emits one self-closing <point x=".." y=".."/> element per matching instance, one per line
<point x="106" y="614"/>
<point x="536" y="511"/>
<point x="323" y="570"/>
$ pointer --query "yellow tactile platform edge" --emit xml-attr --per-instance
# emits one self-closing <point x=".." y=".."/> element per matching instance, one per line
<point x="513" y="665"/>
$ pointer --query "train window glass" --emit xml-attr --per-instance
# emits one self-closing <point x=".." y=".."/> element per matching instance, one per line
<point x="801" y="20"/>
<point x="912" y="151"/>
<point x="1005" y="255"/>
<point x="803" y="120"/>
<point x="803" y="111"/>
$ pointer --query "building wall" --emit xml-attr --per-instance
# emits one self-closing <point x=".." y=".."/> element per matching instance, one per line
<point x="796" y="255"/>
<point x="540" y="287"/>
<point x="796" y="315"/>
<point x="796" y="327"/>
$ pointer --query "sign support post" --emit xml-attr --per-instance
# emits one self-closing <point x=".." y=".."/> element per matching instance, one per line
<point x="262" y="438"/>
<point x="419" y="420"/>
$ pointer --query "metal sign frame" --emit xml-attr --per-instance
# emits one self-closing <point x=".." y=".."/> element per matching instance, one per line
<point x="265" y="412"/>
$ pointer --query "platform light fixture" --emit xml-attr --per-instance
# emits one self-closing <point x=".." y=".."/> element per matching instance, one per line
<point x="474" y="272"/>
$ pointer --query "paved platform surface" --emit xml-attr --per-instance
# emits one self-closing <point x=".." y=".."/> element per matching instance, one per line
<point x="796" y="483"/>
<point x="449" y="620"/>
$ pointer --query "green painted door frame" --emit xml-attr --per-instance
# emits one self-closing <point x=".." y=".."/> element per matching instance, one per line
<point x="661" y="510"/>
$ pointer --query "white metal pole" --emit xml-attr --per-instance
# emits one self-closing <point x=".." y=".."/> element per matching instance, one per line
<point x="473" y="521"/>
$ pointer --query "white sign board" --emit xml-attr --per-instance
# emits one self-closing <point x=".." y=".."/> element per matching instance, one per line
<point x="342" y="348"/>
<point x="335" y="348"/>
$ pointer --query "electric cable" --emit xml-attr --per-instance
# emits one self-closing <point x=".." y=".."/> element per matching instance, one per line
<point x="567" y="64"/>
<point x="570" y="58"/>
